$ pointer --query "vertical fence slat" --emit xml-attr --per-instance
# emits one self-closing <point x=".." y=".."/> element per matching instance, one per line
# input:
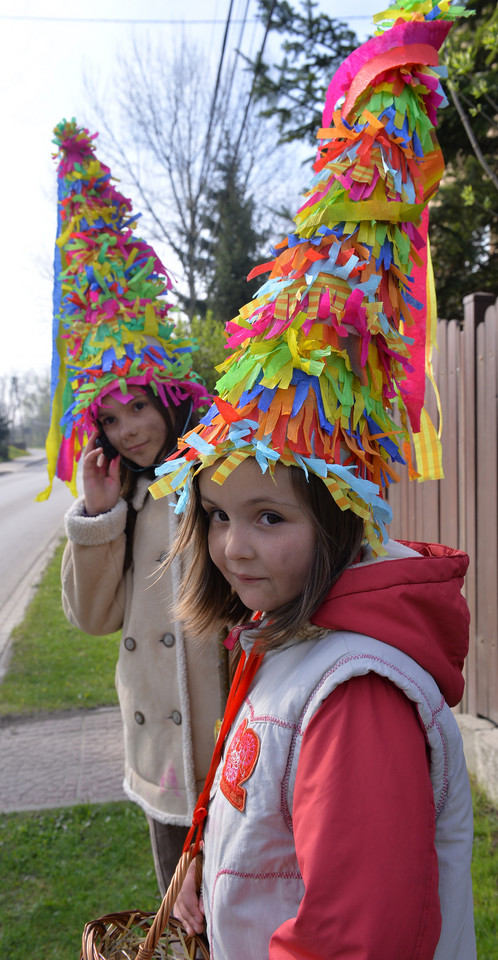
<point x="482" y="545"/>
<point x="468" y="532"/>
<point x="394" y="498"/>
<point x="462" y="467"/>
<point x="448" y="505"/>
<point x="442" y="384"/>
<point x="411" y="510"/>
<point x="490" y="518"/>
<point x="429" y="493"/>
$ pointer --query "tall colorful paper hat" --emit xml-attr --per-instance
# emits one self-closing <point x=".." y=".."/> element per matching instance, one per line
<point x="112" y="326"/>
<point x="340" y="336"/>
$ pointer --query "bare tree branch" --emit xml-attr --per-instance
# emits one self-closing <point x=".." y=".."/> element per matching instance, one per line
<point x="156" y="135"/>
<point x="468" y="130"/>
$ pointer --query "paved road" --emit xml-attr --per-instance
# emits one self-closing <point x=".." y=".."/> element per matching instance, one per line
<point x="68" y="757"/>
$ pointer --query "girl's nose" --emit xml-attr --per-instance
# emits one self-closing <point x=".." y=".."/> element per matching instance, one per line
<point x="128" y="427"/>
<point x="237" y="543"/>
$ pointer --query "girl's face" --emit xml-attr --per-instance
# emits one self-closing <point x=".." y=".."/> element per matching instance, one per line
<point x="260" y="537"/>
<point x="136" y="429"/>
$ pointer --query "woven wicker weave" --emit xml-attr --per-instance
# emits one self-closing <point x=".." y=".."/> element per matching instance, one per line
<point x="135" y="935"/>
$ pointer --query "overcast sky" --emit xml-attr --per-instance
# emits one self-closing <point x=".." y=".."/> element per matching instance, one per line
<point x="46" y="46"/>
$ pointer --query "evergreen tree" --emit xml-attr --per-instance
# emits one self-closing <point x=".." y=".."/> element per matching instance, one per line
<point x="209" y="336"/>
<point x="293" y="90"/>
<point x="464" y="216"/>
<point x="233" y="244"/>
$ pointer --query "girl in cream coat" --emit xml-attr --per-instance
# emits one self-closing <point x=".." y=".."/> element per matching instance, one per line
<point x="111" y="576"/>
<point x="123" y="388"/>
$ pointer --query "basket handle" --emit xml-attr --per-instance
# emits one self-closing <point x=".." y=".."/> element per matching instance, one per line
<point x="146" y="949"/>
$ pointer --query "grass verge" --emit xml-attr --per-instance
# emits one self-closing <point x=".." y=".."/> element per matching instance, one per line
<point x="55" y="666"/>
<point x="485" y="875"/>
<point x="62" y="868"/>
<point x="14" y="452"/>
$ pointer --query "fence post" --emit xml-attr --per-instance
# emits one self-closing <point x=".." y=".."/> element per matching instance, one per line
<point x="486" y="482"/>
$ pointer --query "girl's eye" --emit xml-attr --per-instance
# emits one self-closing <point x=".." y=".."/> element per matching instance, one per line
<point x="107" y="421"/>
<point x="270" y="518"/>
<point x="140" y="404"/>
<point x="218" y="516"/>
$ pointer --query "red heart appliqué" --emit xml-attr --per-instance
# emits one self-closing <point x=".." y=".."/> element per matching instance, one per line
<point x="241" y="759"/>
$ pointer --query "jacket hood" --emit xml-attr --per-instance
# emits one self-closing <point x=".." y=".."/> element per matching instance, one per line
<point x="411" y="600"/>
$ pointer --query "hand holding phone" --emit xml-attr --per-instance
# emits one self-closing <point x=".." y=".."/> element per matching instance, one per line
<point x="107" y="448"/>
<point x="101" y="475"/>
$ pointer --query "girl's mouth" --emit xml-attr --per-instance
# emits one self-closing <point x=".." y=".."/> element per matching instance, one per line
<point x="137" y="447"/>
<point x="246" y="579"/>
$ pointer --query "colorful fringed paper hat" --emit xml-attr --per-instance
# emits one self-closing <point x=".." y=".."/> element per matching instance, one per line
<point x="112" y="326"/>
<point x="340" y="335"/>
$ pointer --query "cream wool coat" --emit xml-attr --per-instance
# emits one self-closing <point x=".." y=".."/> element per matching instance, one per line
<point x="168" y="687"/>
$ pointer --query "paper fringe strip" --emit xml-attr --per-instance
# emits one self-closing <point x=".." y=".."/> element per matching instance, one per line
<point x="112" y="323"/>
<point x="342" y="331"/>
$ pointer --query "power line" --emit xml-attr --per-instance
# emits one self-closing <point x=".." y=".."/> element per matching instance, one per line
<point x="207" y="142"/>
<point x="234" y="156"/>
<point x="258" y="61"/>
<point x="130" y="20"/>
<point x="144" y="21"/>
<point x="237" y="48"/>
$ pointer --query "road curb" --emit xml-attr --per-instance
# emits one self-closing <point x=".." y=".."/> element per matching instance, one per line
<point x="480" y="745"/>
<point x="15" y="607"/>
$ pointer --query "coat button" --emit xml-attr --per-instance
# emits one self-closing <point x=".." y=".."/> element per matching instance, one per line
<point x="139" y="717"/>
<point x="176" y="717"/>
<point x="129" y="643"/>
<point x="168" y="639"/>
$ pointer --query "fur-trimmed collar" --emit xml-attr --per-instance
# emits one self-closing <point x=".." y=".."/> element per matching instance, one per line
<point x="141" y="490"/>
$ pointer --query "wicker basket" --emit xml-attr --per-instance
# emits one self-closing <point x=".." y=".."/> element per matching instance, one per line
<point x="135" y="935"/>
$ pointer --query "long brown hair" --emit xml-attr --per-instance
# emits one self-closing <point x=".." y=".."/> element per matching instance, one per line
<point x="176" y="419"/>
<point x="207" y="602"/>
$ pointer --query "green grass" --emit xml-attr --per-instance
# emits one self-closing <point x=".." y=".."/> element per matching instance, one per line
<point x="63" y="868"/>
<point x="55" y="666"/>
<point x="15" y="452"/>
<point x="485" y="875"/>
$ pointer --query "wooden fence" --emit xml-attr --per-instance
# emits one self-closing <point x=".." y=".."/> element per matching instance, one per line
<point x="462" y="509"/>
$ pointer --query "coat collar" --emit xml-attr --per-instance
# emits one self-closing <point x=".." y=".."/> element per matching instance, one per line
<point x="141" y="490"/>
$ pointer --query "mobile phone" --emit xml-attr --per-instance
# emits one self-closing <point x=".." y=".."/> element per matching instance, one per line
<point x="107" y="448"/>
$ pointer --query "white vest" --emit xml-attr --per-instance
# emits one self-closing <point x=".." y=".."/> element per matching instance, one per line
<point x="252" y="882"/>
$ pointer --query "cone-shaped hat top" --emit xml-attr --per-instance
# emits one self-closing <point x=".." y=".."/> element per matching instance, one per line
<point x="338" y="336"/>
<point x="112" y="324"/>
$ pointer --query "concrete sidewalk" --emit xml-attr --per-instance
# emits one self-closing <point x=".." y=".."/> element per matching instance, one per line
<point x="57" y="759"/>
<point x="61" y="759"/>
